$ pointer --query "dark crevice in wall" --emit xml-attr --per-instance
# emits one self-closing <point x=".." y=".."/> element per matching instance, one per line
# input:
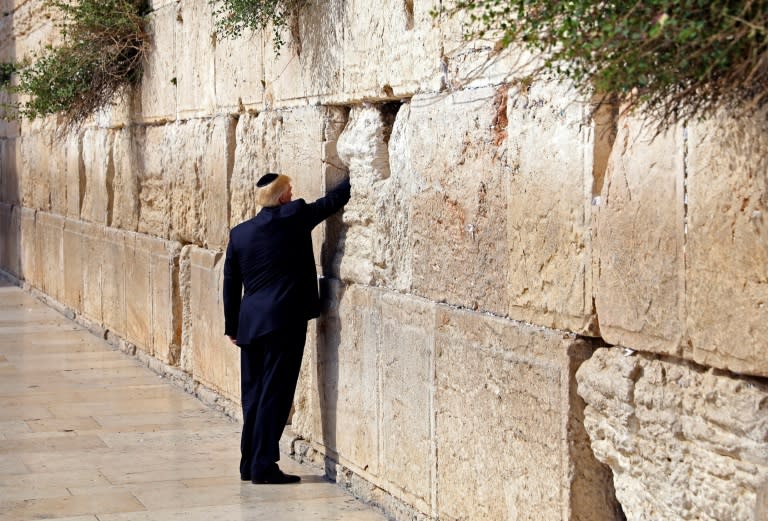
<point x="389" y="112"/>
<point x="605" y="115"/>
<point x="408" y="6"/>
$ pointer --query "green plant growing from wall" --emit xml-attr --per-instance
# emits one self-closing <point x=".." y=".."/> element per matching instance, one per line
<point x="235" y="16"/>
<point x="678" y="59"/>
<point x="104" y="43"/>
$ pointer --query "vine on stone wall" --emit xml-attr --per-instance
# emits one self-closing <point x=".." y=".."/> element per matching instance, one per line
<point x="678" y="59"/>
<point x="235" y="16"/>
<point x="104" y="43"/>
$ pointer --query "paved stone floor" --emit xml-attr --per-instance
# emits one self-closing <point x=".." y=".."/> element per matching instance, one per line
<point x="88" y="434"/>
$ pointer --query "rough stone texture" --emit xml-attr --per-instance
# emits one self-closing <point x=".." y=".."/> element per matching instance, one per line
<point x="727" y="248"/>
<point x="194" y="58"/>
<point x="159" y="82"/>
<point x="9" y="238"/>
<point x="547" y="144"/>
<point x="214" y="359"/>
<point x="397" y="395"/>
<point x="484" y="220"/>
<point x="684" y="442"/>
<point x="239" y="71"/>
<point x="399" y="34"/>
<point x="10" y="157"/>
<point x="503" y="404"/>
<point x="99" y="174"/>
<point x="640" y="269"/>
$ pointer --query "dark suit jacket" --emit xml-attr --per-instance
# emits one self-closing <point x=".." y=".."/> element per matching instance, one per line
<point x="270" y="257"/>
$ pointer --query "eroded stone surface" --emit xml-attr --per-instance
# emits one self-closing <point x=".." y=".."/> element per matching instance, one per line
<point x="503" y="406"/>
<point x="727" y="248"/>
<point x="684" y="442"/>
<point x="215" y="361"/>
<point x="639" y="268"/>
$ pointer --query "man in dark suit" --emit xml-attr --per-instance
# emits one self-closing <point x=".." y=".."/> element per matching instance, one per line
<point x="270" y="257"/>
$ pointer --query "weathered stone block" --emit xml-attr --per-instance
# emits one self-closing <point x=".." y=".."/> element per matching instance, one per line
<point x="195" y="71"/>
<point x="402" y="37"/>
<point x="309" y="65"/>
<point x="639" y="270"/>
<point x="506" y="441"/>
<point x="727" y="246"/>
<point x="125" y="181"/>
<point x="406" y="350"/>
<point x="34" y="178"/>
<point x="166" y="298"/>
<point x="49" y="230"/>
<point x="154" y="190"/>
<point x="73" y="265"/>
<point x="548" y="213"/>
<point x="239" y="71"/>
<point x="73" y="176"/>
<point x="684" y="442"/>
<point x="10" y="158"/>
<point x="93" y="242"/>
<point x="159" y="81"/>
<point x="113" y="282"/>
<point x="348" y="378"/>
<point x="10" y="234"/>
<point x="215" y="360"/>
<point x="99" y="171"/>
<point x="28" y="258"/>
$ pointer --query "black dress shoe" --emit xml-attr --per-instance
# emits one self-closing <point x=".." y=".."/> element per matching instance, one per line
<point x="275" y="476"/>
<point x="245" y="477"/>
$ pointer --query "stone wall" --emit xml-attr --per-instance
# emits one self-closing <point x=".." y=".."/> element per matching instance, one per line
<point x="501" y="250"/>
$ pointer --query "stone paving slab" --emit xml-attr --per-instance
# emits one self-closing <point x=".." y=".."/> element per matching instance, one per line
<point x="89" y="434"/>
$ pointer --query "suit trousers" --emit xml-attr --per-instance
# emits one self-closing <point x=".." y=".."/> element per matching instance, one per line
<point x="269" y="371"/>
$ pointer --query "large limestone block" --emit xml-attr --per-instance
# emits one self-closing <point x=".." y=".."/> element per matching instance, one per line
<point x="159" y="82"/>
<point x="73" y="175"/>
<point x="727" y="246"/>
<point x="113" y="281"/>
<point x="10" y="157"/>
<point x="94" y="270"/>
<point x="35" y="168"/>
<point x="639" y="261"/>
<point x="125" y="183"/>
<point x="684" y="442"/>
<point x="239" y="72"/>
<point x="549" y="148"/>
<point x="183" y="188"/>
<point x="194" y="59"/>
<point x="309" y="65"/>
<point x="215" y="360"/>
<point x="73" y="265"/>
<point x="406" y="347"/>
<point x="99" y="170"/>
<point x="348" y="376"/>
<point x="154" y="190"/>
<point x="29" y="268"/>
<point x="166" y="300"/>
<point x="403" y="38"/>
<point x="509" y="442"/>
<point x="49" y="229"/>
<point x="10" y="234"/>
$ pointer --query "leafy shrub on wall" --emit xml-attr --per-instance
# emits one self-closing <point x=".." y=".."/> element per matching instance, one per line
<point x="235" y="16"/>
<point x="679" y="59"/>
<point x="104" y="44"/>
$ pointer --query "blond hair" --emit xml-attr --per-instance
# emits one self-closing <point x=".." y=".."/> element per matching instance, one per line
<point x="270" y="194"/>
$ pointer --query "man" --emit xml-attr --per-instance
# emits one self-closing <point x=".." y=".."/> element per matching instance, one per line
<point x="271" y="257"/>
